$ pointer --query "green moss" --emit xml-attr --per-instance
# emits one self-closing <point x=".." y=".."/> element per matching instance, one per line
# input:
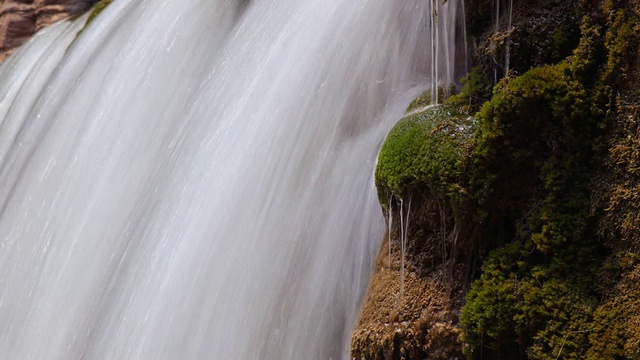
<point x="426" y="148"/>
<point x="475" y="91"/>
<point x="535" y="151"/>
<point x="616" y="326"/>
<point x="524" y="188"/>
<point x="616" y="332"/>
<point x="622" y="42"/>
<point x="426" y="98"/>
<point x="538" y="132"/>
<point x="515" y="309"/>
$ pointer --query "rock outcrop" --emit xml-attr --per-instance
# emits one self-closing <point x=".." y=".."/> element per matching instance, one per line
<point x="411" y="311"/>
<point x="418" y="322"/>
<point x="539" y="222"/>
<point x="20" y="19"/>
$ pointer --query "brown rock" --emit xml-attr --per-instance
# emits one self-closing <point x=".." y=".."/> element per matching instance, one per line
<point x="15" y="29"/>
<point x="17" y="24"/>
<point x="20" y="19"/>
<point x="48" y="14"/>
<point x="50" y="11"/>
<point x="414" y="320"/>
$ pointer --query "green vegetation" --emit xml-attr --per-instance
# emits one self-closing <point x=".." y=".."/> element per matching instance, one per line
<point x="475" y="90"/>
<point x="531" y="175"/>
<point x="420" y="102"/>
<point x="425" y="149"/>
<point x="616" y="332"/>
<point x="545" y="183"/>
<point x="426" y="98"/>
<point x="515" y="309"/>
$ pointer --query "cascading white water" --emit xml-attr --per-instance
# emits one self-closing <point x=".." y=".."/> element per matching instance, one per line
<point x="193" y="180"/>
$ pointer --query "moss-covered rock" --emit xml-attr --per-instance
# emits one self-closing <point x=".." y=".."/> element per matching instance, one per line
<point x="535" y="135"/>
<point x="536" y="147"/>
<point x="520" y="309"/>
<point x="422" y="162"/>
<point x="616" y="333"/>
<point x="541" y="192"/>
<point x="475" y="91"/>
<point x="425" y="149"/>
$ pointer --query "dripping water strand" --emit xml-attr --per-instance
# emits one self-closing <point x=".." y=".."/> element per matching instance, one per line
<point x="404" y="229"/>
<point x="406" y="233"/>
<point x="447" y="57"/>
<point x="436" y="14"/>
<point x="465" y="39"/>
<point x="435" y="49"/>
<point x="495" y="32"/>
<point x="507" y="55"/>
<point x="389" y="226"/>
<point x="401" y="249"/>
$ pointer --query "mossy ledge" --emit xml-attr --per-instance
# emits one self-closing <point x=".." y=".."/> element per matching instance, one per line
<point x="425" y="149"/>
<point x="524" y="215"/>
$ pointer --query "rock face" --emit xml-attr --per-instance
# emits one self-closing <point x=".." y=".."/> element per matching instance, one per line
<point x="545" y="203"/>
<point x="411" y="311"/>
<point x="20" y="19"/>
<point x="538" y="32"/>
<point x="418" y="322"/>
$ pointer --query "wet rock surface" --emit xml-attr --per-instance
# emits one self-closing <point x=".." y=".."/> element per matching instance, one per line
<point x="418" y="322"/>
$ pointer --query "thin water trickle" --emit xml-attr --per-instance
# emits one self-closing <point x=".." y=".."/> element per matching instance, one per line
<point x="507" y="54"/>
<point x="495" y="30"/>
<point x="194" y="180"/>
<point x="404" y="234"/>
<point x="389" y="226"/>
<point x="402" y="252"/>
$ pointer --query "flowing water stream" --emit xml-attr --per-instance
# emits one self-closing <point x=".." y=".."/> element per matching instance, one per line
<point x="193" y="179"/>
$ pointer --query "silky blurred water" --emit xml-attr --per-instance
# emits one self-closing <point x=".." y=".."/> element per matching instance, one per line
<point x="193" y="180"/>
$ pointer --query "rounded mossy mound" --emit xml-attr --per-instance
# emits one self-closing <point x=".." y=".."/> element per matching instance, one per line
<point x="428" y="149"/>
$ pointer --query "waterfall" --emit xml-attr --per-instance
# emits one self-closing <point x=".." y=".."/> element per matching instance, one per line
<point x="193" y="179"/>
